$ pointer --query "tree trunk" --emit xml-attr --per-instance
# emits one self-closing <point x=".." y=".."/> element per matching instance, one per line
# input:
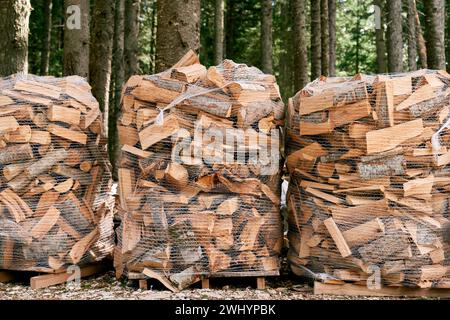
<point x="117" y="81"/>
<point x="153" y="40"/>
<point x="325" y="38"/>
<point x="101" y="54"/>
<point x="435" y="33"/>
<point x="358" y="38"/>
<point x="422" y="49"/>
<point x="300" y="46"/>
<point x="131" y="46"/>
<point x="332" y="35"/>
<point x="230" y="28"/>
<point x="178" y="31"/>
<point x="447" y="36"/>
<point x="266" y="36"/>
<point x="219" y="31"/>
<point x="395" y="36"/>
<point x="412" y="42"/>
<point x="14" y="18"/>
<point x="286" y="67"/>
<point x="316" y="51"/>
<point x="45" y="53"/>
<point x="379" y="36"/>
<point x="76" y="38"/>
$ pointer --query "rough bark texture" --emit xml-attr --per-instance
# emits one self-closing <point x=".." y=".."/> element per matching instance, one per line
<point x="14" y="18"/>
<point x="316" y="51"/>
<point x="395" y="36"/>
<point x="101" y="54"/>
<point x="300" y="46"/>
<point x="286" y="60"/>
<point x="325" y="39"/>
<point x="412" y="42"/>
<point x="379" y="39"/>
<point x="332" y="35"/>
<point x="76" y="41"/>
<point x="131" y="48"/>
<point x="219" y="31"/>
<point x="422" y="49"/>
<point x="118" y="80"/>
<point x="447" y="39"/>
<point x="47" y="34"/>
<point x="266" y="36"/>
<point x="153" y="41"/>
<point x="178" y="31"/>
<point x="435" y="33"/>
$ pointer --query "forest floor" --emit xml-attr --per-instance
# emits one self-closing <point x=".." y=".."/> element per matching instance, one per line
<point x="107" y="287"/>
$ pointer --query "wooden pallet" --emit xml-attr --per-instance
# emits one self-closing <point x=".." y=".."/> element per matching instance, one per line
<point x="205" y="280"/>
<point x="350" y="289"/>
<point x="48" y="279"/>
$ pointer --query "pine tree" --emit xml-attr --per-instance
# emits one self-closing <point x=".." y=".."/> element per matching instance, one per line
<point x="117" y="80"/>
<point x="47" y="35"/>
<point x="14" y="20"/>
<point x="178" y="31"/>
<point x="316" y="51"/>
<point x="219" y="31"/>
<point x="435" y="33"/>
<point x="266" y="36"/>
<point x="412" y="41"/>
<point x="300" y="46"/>
<point x="131" y="37"/>
<point x="332" y="35"/>
<point x="101" y="54"/>
<point x="325" y="37"/>
<point x="76" y="38"/>
<point x="395" y="36"/>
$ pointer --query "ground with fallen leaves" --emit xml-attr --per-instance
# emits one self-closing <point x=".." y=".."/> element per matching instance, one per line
<point x="107" y="287"/>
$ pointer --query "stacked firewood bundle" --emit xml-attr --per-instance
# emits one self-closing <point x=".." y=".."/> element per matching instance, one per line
<point x="369" y="159"/>
<point x="199" y="173"/>
<point x="54" y="191"/>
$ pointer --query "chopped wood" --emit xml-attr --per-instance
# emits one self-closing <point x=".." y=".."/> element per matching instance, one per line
<point x="338" y="237"/>
<point x="194" y="204"/>
<point x="63" y="114"/>
<point x="377" y="192"/>
<point x="155" y="133"/>
<point x="68" y="134"/>
<point x="389" y="138"/>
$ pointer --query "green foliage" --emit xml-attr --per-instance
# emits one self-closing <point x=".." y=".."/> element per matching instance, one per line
<point x="242" y="31"/>
<point x="147" y="36"/>
<point x="355" y="34"/>
<point x="36" y="36"/>
<point x="207" y="32"/>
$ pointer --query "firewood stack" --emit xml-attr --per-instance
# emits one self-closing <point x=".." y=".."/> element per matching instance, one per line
<point x="54" y="192"/>
<point x="189" y="206"/>
<point x="369" y="191"/>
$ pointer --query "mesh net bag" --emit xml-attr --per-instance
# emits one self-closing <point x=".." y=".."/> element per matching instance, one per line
<point x="55" y="207"/>
<point x="199" y="173"/>
<point x="368" y="159"/>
